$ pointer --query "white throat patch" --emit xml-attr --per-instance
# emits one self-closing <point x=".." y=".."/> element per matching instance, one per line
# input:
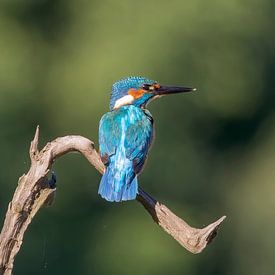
<point x="125" y="100"/>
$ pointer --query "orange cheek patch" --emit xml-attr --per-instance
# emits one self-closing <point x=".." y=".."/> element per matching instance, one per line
<point x="136" y="93"/>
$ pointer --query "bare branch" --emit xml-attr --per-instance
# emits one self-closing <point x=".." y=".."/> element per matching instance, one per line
<point x="193" y="239"/>
<point x="34" y="190"/>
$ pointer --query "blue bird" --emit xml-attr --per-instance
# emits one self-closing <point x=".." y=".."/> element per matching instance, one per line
<point x="126" y="133"/>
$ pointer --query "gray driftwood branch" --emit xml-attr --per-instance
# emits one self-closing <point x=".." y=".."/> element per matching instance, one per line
<point x="34" y="190"/>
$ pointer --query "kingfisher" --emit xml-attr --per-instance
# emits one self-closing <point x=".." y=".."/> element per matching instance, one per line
<point x="126" y="134"/>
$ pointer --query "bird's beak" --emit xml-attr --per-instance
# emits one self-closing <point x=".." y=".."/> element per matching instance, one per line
<point x="167" y="90"/>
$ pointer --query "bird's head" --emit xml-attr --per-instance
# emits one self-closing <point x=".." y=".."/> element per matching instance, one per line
<point x="139" y="91"/>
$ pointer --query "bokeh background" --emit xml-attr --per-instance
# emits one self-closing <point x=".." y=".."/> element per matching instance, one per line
<point x="214" y="152"/>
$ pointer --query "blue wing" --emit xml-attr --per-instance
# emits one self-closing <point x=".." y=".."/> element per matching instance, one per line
<point x="109" y="136"/>
<point x="139" y="137"/>
<point x="125" y="136"/>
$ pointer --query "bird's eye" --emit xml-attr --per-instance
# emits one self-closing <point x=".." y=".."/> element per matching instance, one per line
<point x="150" y="87"/>
<point x="146" y="87"/>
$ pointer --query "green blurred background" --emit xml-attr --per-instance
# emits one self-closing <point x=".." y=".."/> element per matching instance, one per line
<point x="214" y="149"/>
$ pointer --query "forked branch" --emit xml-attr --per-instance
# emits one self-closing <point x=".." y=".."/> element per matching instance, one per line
<point x="34" y="190"/>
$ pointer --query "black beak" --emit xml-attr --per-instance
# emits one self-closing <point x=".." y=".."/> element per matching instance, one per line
<point x="167" y="90"/>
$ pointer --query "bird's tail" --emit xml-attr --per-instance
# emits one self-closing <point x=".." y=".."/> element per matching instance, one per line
<point x="117" y="189"/>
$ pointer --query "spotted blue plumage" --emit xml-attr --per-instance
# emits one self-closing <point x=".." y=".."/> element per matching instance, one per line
<point x="121" y="87"/>
<point x="125" y="136"/>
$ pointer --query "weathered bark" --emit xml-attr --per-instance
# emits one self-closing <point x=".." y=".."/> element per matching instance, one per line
<point x="34" y="190"/>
